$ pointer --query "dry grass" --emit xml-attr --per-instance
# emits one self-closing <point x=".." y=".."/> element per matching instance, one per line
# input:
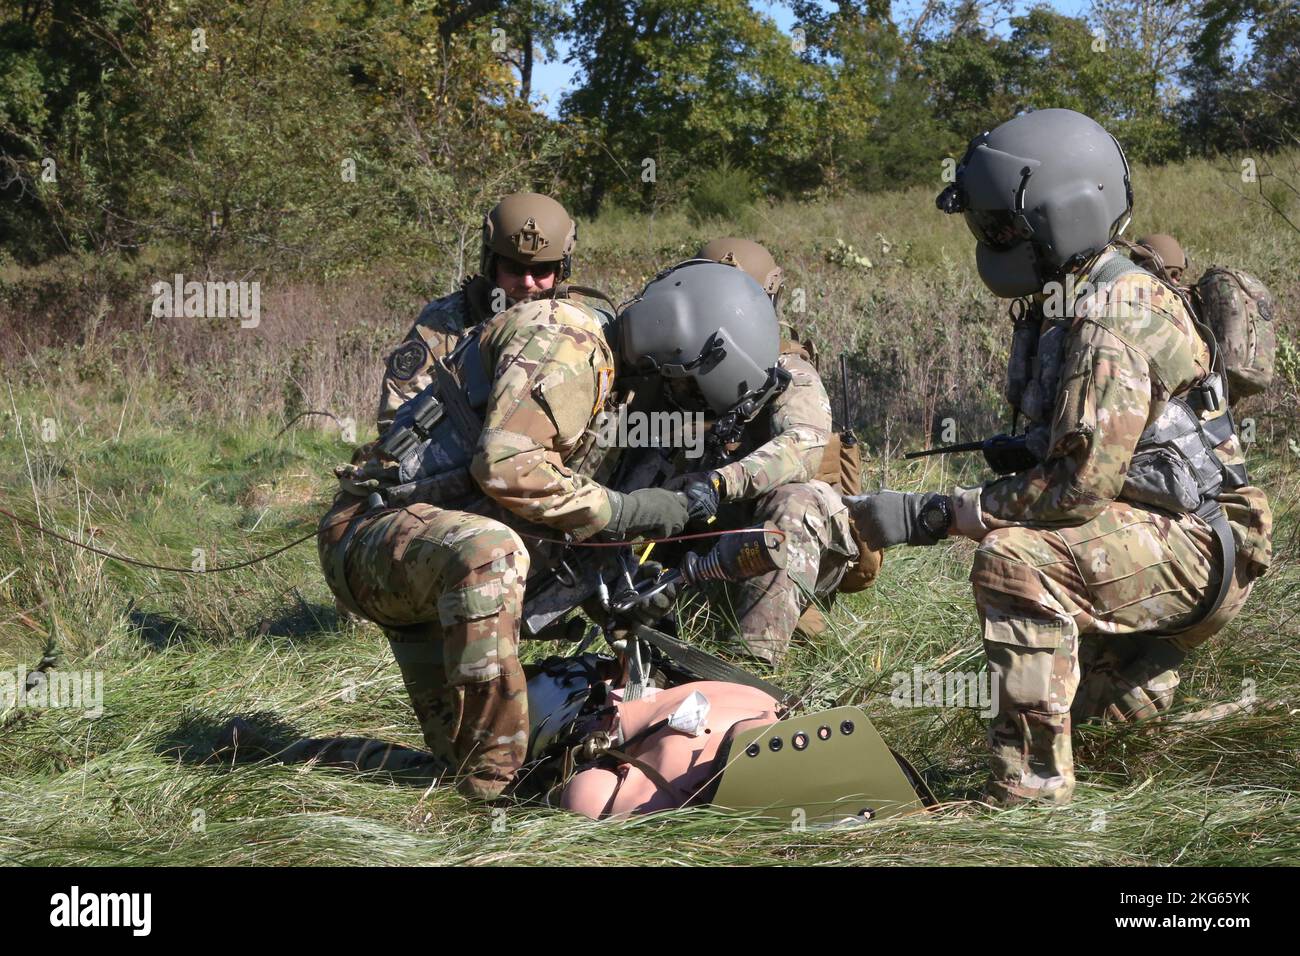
<point x="165" y="441"/>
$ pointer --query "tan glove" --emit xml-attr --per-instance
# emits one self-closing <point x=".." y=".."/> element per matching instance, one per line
<point x="363" y="479"/>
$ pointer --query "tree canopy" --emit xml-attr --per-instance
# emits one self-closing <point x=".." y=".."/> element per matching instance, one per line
<point x="328" y="131"/>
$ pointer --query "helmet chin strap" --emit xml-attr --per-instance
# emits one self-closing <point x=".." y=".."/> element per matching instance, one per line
<point x="731" y="424"/>
<point x="752" y="403"/>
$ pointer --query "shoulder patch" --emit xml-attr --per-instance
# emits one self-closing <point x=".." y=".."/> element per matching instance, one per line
<point x="408" y="360"/>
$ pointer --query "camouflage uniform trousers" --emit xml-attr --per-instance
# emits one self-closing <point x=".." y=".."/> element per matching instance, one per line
<point x="1105" y="585"/>
<point x="447" y="587"/>
<point x="819" y="548"/>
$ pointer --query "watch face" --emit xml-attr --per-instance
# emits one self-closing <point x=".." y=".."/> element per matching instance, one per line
<point x="935" y="519"/>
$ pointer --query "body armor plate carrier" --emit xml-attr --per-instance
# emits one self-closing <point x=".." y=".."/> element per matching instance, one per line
<point x="1175" y="467"/>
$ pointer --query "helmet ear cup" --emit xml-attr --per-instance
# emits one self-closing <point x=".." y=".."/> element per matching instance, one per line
<point x="726" y="381"/>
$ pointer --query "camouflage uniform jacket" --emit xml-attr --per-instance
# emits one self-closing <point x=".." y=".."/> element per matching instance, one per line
<point x="1129" y="348"/>
<point x="436" y="332"/>
<point x="552" y="373"/>
<point x="787" y="443"/>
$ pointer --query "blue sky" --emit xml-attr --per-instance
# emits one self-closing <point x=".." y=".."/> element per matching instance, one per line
<point x="552" y="78"/>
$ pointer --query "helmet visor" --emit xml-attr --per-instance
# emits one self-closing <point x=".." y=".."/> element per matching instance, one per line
<point x="998" y="229"/>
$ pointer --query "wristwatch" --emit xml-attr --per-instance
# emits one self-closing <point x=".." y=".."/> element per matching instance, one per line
<point x="936" y="517"/>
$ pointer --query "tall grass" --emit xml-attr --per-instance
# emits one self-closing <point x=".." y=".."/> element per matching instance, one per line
<point x="164" y="440"/>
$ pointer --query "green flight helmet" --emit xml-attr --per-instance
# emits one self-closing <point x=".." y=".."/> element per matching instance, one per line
<point x="709" y="329"/>
<point x="1043" y="194"/>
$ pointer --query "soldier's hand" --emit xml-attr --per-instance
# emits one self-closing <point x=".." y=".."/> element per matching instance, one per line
<point x="362" y="480"/>
<point x="646" y="512"/>
<point x="355" y="481"/>
<point x="888" y="518"/>
<point x="1007" y="454"/>
<point x="363" y="452"/>
<point x="703" y="492"/>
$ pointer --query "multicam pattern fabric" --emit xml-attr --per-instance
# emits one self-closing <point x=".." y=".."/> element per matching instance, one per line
<point x="1135" y="347"/>
<point x="1060" y="560"/>
<point x="1040" y="593"/>
<point x="448" y="585"/>
<point x="788" y="445"/>
<point x="549" y="362"/>
<point x="436" y="332"/>
<point x="1240" y="311"/>
<point x="779" y="460"/>
<point x="819" y="547"/>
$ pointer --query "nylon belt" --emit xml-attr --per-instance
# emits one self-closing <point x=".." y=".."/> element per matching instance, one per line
<point x="1212" y="513"/>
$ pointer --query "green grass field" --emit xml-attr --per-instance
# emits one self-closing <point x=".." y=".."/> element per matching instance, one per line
<point x="138" y="461"/>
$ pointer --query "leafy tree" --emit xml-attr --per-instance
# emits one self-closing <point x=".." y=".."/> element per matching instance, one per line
<point x="705" y="80"/>
<point x="285" y="133"/>
<point x="1050" y="60"/>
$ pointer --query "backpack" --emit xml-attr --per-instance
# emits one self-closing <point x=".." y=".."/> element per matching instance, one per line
<point x="1239" y="310"/>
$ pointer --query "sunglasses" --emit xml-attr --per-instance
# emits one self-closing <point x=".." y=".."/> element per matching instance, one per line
<point x="540" y="270"/>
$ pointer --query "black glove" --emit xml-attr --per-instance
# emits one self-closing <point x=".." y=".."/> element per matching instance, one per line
<point x="1007" y="454"/>
<point x="703" y="495"/>
<point x="646" y="512"/>
<point x="887" y="518"/>
<point x="657" y="607"/>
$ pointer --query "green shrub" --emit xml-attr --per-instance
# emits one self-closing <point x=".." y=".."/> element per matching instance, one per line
<point x="725" y="192"/>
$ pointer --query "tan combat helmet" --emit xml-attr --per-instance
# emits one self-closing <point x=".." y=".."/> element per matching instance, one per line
<point x="749" y="256"/>
<point x="1165" y="252"/>
<point x="529" y="228"/>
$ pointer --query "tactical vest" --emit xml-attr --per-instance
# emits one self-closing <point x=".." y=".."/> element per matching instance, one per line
<point x="433" y="439"/>
<point x="1175" y="467"/>
<point x="434" y="435"/>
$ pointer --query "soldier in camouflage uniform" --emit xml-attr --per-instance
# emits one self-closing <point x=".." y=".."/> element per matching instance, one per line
<point x="773" y="476"/>
<point x="1072" y="568"/>
<point x="1161" y="251"/>
<point x="508" y="274"/>
<point x="445" y="579"/>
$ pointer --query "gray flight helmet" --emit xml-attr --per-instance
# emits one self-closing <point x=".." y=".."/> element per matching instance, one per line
<point x="705" y="321"/>
<point x="1043" y="194"/>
